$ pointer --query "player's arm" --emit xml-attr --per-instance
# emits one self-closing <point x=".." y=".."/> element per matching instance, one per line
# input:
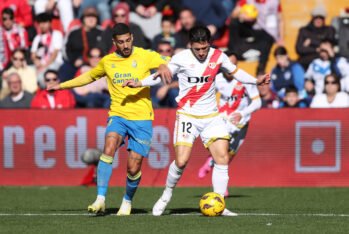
<point x="255" y="104"/>
<point x="246" y="78"/>
<point x="159" y="62"/>
<point x="151" y="80"/>
<point x="241" y="75"/>
<point x="84" y="79"/>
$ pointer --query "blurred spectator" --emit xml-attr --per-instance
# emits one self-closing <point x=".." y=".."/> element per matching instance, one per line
<point x="291" y="99"/>
<point x="332" y="96"/>
<point x="121" y="14"/>
<point x="46" y="49"/>
<point x="167" y="33"/>
<point x="210" y="13"/>
<point x="17" y="98"/>
<point x="26" y="73"/>
<point x="54" y="99"/>
<point x="310" y="37"/>
<point x="62" y="9"/>
<point x="327" y="63"/>
<point x="14" y="34"/>
<point x="255" y="26"/>
<point x="269" y="99"/>
<point x="164" y="95"/>
<point x="187" y="21"/>
<point x="343" y="32"/>
<point x="286" y="73"/>
<point x="147" y="14"/>
<point x="79" y="41"/>
<point x="22" y="11"/>
<point x="102" y="7"/>
<point x="228" y="6"/>
<point x="93" y="95"/>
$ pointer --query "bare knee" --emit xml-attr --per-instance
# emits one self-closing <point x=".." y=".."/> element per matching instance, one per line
<point x="181" y="163"/>
<point x="222" y="158"/>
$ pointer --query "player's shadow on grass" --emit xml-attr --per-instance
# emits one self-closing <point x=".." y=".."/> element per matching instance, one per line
<point x="113" y="211"/>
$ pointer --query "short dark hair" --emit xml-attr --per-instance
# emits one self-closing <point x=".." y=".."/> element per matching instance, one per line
<point x="199" y="34"/>
<point x="95" y="48"/>
<point x="230" y="53"/>
<point x="167" y="18"/>
<point x="186" y="9"/>
<point x="291" y="89"/>
<point x="337" y="80"/>
<point x="51" y="71"/>
<point x="120" y="29"/>
<point x="280" y="51"/>
<point x="43" y="17"/>
<point x="8" y="11"/>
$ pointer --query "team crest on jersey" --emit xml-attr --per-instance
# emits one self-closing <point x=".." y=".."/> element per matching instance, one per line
<point x="192" y="65"/>
<point x="134" y="63"/>
<point x="113" y="65"/>
<point x="212" y="65"/>
<point x="239" y="87"/>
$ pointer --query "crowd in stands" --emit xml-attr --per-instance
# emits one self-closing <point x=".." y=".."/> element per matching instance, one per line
<point x="43" y="41"/>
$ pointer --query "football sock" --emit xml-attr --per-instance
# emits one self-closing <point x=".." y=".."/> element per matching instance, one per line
<point x="220" y="179"/>
<point x="132" y="183"/>
<point x="104" y="171"/>
<point x="173" y="176"/>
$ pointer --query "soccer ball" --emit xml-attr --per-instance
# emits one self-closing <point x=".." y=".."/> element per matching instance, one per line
<point x="250" y="11"/>
<point x="212" y="204"/>
<point x="91" y="156"/>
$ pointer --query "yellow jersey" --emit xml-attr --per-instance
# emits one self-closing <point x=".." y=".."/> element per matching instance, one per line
<point x="129" y="103"/>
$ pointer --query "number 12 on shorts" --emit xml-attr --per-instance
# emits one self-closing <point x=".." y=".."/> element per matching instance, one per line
<point x="186" y="126"/>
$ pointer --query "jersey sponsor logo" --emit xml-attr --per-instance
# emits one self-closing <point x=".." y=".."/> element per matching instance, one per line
<point x="195" y="93"/>
<point x="201" y="79"/>
<point x="122" y="75"/>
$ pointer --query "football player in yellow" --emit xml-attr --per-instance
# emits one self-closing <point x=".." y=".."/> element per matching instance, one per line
<point x="130" y="114"/>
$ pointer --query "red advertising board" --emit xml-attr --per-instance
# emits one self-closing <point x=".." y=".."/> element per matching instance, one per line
<point x="288" y="147"/>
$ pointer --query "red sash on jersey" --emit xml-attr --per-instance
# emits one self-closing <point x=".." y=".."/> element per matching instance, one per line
<point x="212" y="69"/>
<point x="237" y="93"/>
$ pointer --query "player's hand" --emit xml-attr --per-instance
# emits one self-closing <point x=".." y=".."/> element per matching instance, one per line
<point x="265" y="79"/>
<point x="53" y="87"/>
<point x="235" y="118"/>
<point x="165" y="74"/>
<point x="131" y="84"/>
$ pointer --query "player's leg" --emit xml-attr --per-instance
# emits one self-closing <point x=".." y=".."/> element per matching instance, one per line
<point x="140" y="134"/>
<point x="215" y="137"/>
<point x="113" y="140"/>
<point x="185" y="133"/>
<point x="220" y="177"/>
<point x="174" y="174"/>
<point x="134" y="175"/>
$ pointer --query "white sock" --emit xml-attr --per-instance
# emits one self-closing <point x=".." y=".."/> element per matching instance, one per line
<point x="101" y="198"/>
<point x="220" y="179"/>
<point x="173" y="176"/>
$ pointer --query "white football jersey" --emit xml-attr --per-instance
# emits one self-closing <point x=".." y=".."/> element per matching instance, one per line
<point x="197" y="95"/>
<point x="235" y="96"/>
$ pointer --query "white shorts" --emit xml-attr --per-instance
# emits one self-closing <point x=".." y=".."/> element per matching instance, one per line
<point x="189" y="127"/>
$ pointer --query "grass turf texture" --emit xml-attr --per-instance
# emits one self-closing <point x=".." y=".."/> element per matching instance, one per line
<point x="262" y="210"/>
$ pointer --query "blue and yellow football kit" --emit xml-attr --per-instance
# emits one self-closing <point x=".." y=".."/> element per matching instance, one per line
<point x="127" y="104"/>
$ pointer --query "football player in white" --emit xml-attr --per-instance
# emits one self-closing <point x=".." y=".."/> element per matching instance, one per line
<point x="197" y="112"/>
<point x="236" y="104"/>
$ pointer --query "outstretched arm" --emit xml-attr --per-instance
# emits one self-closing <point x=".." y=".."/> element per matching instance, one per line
<point x="81" y="80"/>
<point x="151" y="80"/>
<point x="246" y="78"/>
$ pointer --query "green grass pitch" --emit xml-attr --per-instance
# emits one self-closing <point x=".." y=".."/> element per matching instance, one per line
<point x="262" y="210"/>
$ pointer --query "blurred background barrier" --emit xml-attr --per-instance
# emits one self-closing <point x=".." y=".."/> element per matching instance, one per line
<point x="287" y="147"/>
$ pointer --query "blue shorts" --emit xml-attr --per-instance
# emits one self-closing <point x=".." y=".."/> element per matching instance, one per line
<point x="139" y="133"/>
